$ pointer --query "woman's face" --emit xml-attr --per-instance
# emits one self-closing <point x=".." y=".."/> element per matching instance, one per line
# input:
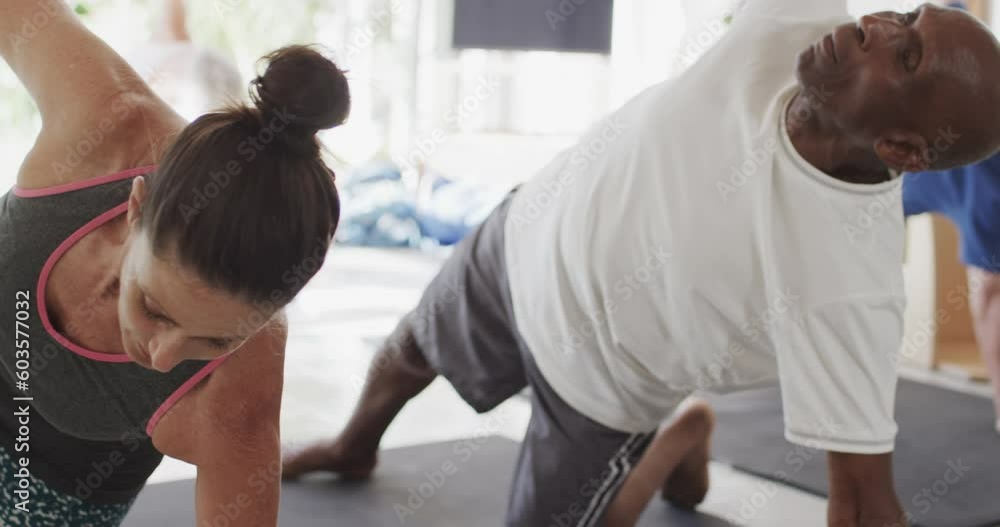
<point x="168" y="315"/>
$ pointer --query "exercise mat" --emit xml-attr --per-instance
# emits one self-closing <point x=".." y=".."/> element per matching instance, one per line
<point x="946" y="464"/>
<point x="463" y="483"/>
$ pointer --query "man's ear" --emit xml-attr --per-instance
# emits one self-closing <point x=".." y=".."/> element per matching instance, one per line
<point x="902" y="151"/>
<point x="135" y="199"/>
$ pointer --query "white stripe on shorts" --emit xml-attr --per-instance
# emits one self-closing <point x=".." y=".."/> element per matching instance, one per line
<point x="619" y="467"/>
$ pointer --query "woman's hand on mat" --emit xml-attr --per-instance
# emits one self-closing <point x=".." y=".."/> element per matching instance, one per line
<point x="862" y="492"/>
<point x="229" y="428"/>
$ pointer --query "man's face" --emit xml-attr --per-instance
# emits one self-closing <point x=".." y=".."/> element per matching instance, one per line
<point x="893" y="72"/>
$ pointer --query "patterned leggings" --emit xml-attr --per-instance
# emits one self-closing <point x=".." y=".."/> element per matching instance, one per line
<point x="49" y="508"/>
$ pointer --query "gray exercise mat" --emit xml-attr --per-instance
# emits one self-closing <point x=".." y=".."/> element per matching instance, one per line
<point x="946" y="446"/>
<point x="464" y="483"/>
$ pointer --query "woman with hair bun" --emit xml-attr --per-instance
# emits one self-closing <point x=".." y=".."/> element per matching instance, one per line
<point x="146" y="262"/>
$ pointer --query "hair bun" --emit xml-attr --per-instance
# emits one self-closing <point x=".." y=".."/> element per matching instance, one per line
<point x="306" y="86"/>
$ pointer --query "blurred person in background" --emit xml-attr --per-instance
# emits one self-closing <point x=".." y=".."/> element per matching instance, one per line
<point x="192" y="79"/>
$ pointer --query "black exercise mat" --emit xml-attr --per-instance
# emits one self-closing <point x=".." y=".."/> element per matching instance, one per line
<point x="942" y="433"/>
<point x="465" y="483"/>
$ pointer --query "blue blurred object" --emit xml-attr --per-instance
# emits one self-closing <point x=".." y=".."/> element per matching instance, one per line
<point x="378" y="208"/>
<point x="373" y="173"/>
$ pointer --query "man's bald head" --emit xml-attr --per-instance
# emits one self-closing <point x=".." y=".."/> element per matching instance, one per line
<point x="921" y="89"/>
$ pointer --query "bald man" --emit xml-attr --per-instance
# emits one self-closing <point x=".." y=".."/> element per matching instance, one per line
<point x="737" y="226"/>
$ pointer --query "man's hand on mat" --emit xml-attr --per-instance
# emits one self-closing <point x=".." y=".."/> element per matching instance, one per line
<point x="841" y="514"/>
<point x="900" y="519"/>
<point x="330" y="456"/>
<point x="862" y="493"/>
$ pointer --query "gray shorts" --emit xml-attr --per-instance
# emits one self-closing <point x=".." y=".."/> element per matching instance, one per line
<point x="570" y="467"/>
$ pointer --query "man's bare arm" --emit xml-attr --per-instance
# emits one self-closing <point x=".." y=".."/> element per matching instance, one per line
<point x="862" y="493"/>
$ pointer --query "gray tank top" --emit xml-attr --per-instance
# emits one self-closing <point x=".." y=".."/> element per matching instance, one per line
<point x="85" y="405"/>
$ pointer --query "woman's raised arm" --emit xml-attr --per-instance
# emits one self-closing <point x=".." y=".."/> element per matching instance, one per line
<point x="81" y="86"/>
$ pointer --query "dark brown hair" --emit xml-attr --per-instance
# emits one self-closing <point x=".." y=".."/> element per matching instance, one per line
<point x="242" y="198"/>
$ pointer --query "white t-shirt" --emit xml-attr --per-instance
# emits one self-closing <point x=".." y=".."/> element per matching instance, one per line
<point x="683" y="244"/>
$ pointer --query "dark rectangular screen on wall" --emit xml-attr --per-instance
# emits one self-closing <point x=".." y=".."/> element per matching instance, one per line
<point x="552" y="25"/>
